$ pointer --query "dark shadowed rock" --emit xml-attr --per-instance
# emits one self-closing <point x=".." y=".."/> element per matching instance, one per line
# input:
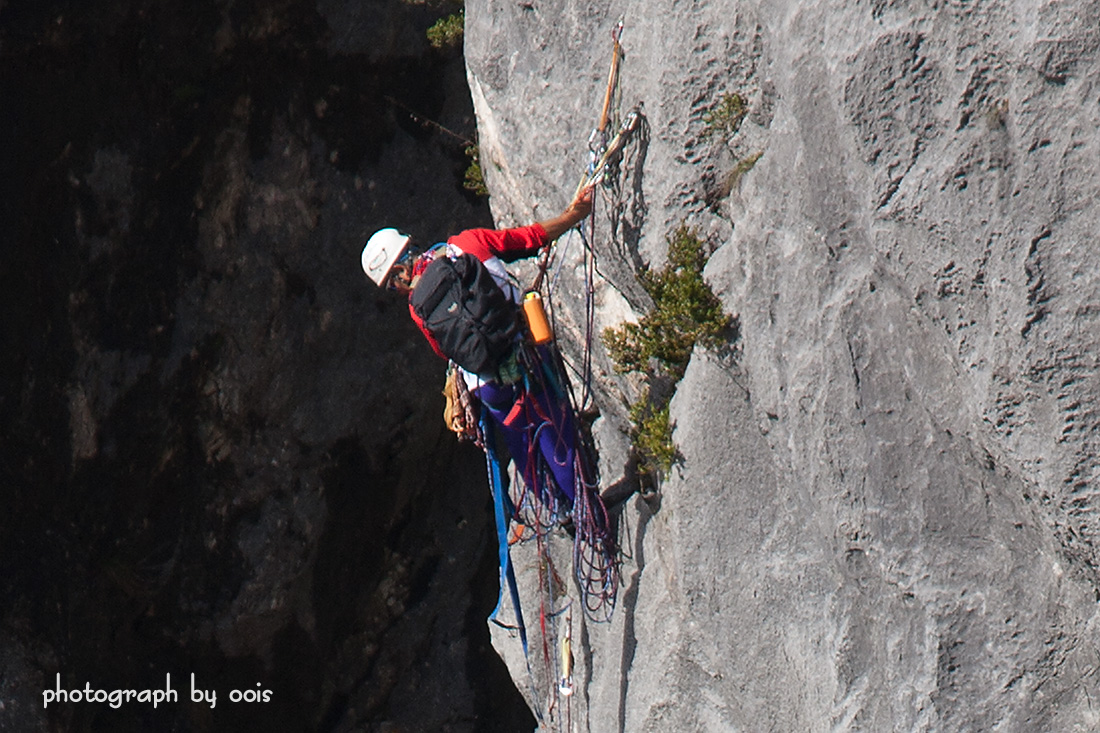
<point x="222" y="448"/>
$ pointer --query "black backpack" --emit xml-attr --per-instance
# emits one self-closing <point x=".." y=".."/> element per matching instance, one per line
<point x="466" y="312"/>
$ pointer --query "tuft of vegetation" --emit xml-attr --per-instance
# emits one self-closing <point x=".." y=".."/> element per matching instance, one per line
<point x="725" y="119"/>
<point x="474" y="180"/>
<point x="651" y="435"/>
<point x="743" y="166"/>
<point x="446" y="33"/>
<point x="686" y="312"/>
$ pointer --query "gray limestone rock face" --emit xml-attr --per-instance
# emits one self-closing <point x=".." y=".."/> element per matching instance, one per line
<point x="886" y="514"/>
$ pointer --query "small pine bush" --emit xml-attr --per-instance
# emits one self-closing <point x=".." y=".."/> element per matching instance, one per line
<point x="447" y="31"/>
<point x="686" y="311"/>
<point x="651" y="434"/>
<point x="475" y="179"/>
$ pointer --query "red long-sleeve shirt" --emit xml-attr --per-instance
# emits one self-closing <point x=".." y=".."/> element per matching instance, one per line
<point x="507" y="244"/>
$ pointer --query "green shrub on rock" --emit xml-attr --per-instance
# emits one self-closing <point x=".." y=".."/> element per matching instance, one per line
<point x="685" y="312"/>
<point x="447" y="31"/>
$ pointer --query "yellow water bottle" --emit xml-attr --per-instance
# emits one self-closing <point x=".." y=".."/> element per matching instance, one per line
<point x="536" y="318"/>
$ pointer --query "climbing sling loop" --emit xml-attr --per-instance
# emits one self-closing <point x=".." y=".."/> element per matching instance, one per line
<point x="503" y="510"/>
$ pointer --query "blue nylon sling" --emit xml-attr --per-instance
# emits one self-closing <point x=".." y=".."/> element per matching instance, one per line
<point x="503" y="510"/>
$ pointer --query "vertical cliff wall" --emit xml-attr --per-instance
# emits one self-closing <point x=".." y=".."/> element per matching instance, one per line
<point x="886" y="513"/>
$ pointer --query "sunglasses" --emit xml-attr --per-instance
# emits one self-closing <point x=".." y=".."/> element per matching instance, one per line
<point x="402" y="261"/>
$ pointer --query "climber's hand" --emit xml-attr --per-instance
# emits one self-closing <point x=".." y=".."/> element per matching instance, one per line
<point x="578" y="209"/>
<point x="582" y="203"/>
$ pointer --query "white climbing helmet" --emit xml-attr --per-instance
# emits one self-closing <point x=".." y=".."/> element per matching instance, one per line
<point x="382" y="250"/>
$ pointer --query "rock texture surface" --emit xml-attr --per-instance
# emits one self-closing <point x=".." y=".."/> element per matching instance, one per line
<point x="886" y="516"/>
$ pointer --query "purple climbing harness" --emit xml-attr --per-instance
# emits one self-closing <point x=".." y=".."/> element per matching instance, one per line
<point x="534" y="421"/>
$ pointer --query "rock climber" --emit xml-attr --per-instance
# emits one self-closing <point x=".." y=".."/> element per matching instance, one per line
<point x="524" y="417"/>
